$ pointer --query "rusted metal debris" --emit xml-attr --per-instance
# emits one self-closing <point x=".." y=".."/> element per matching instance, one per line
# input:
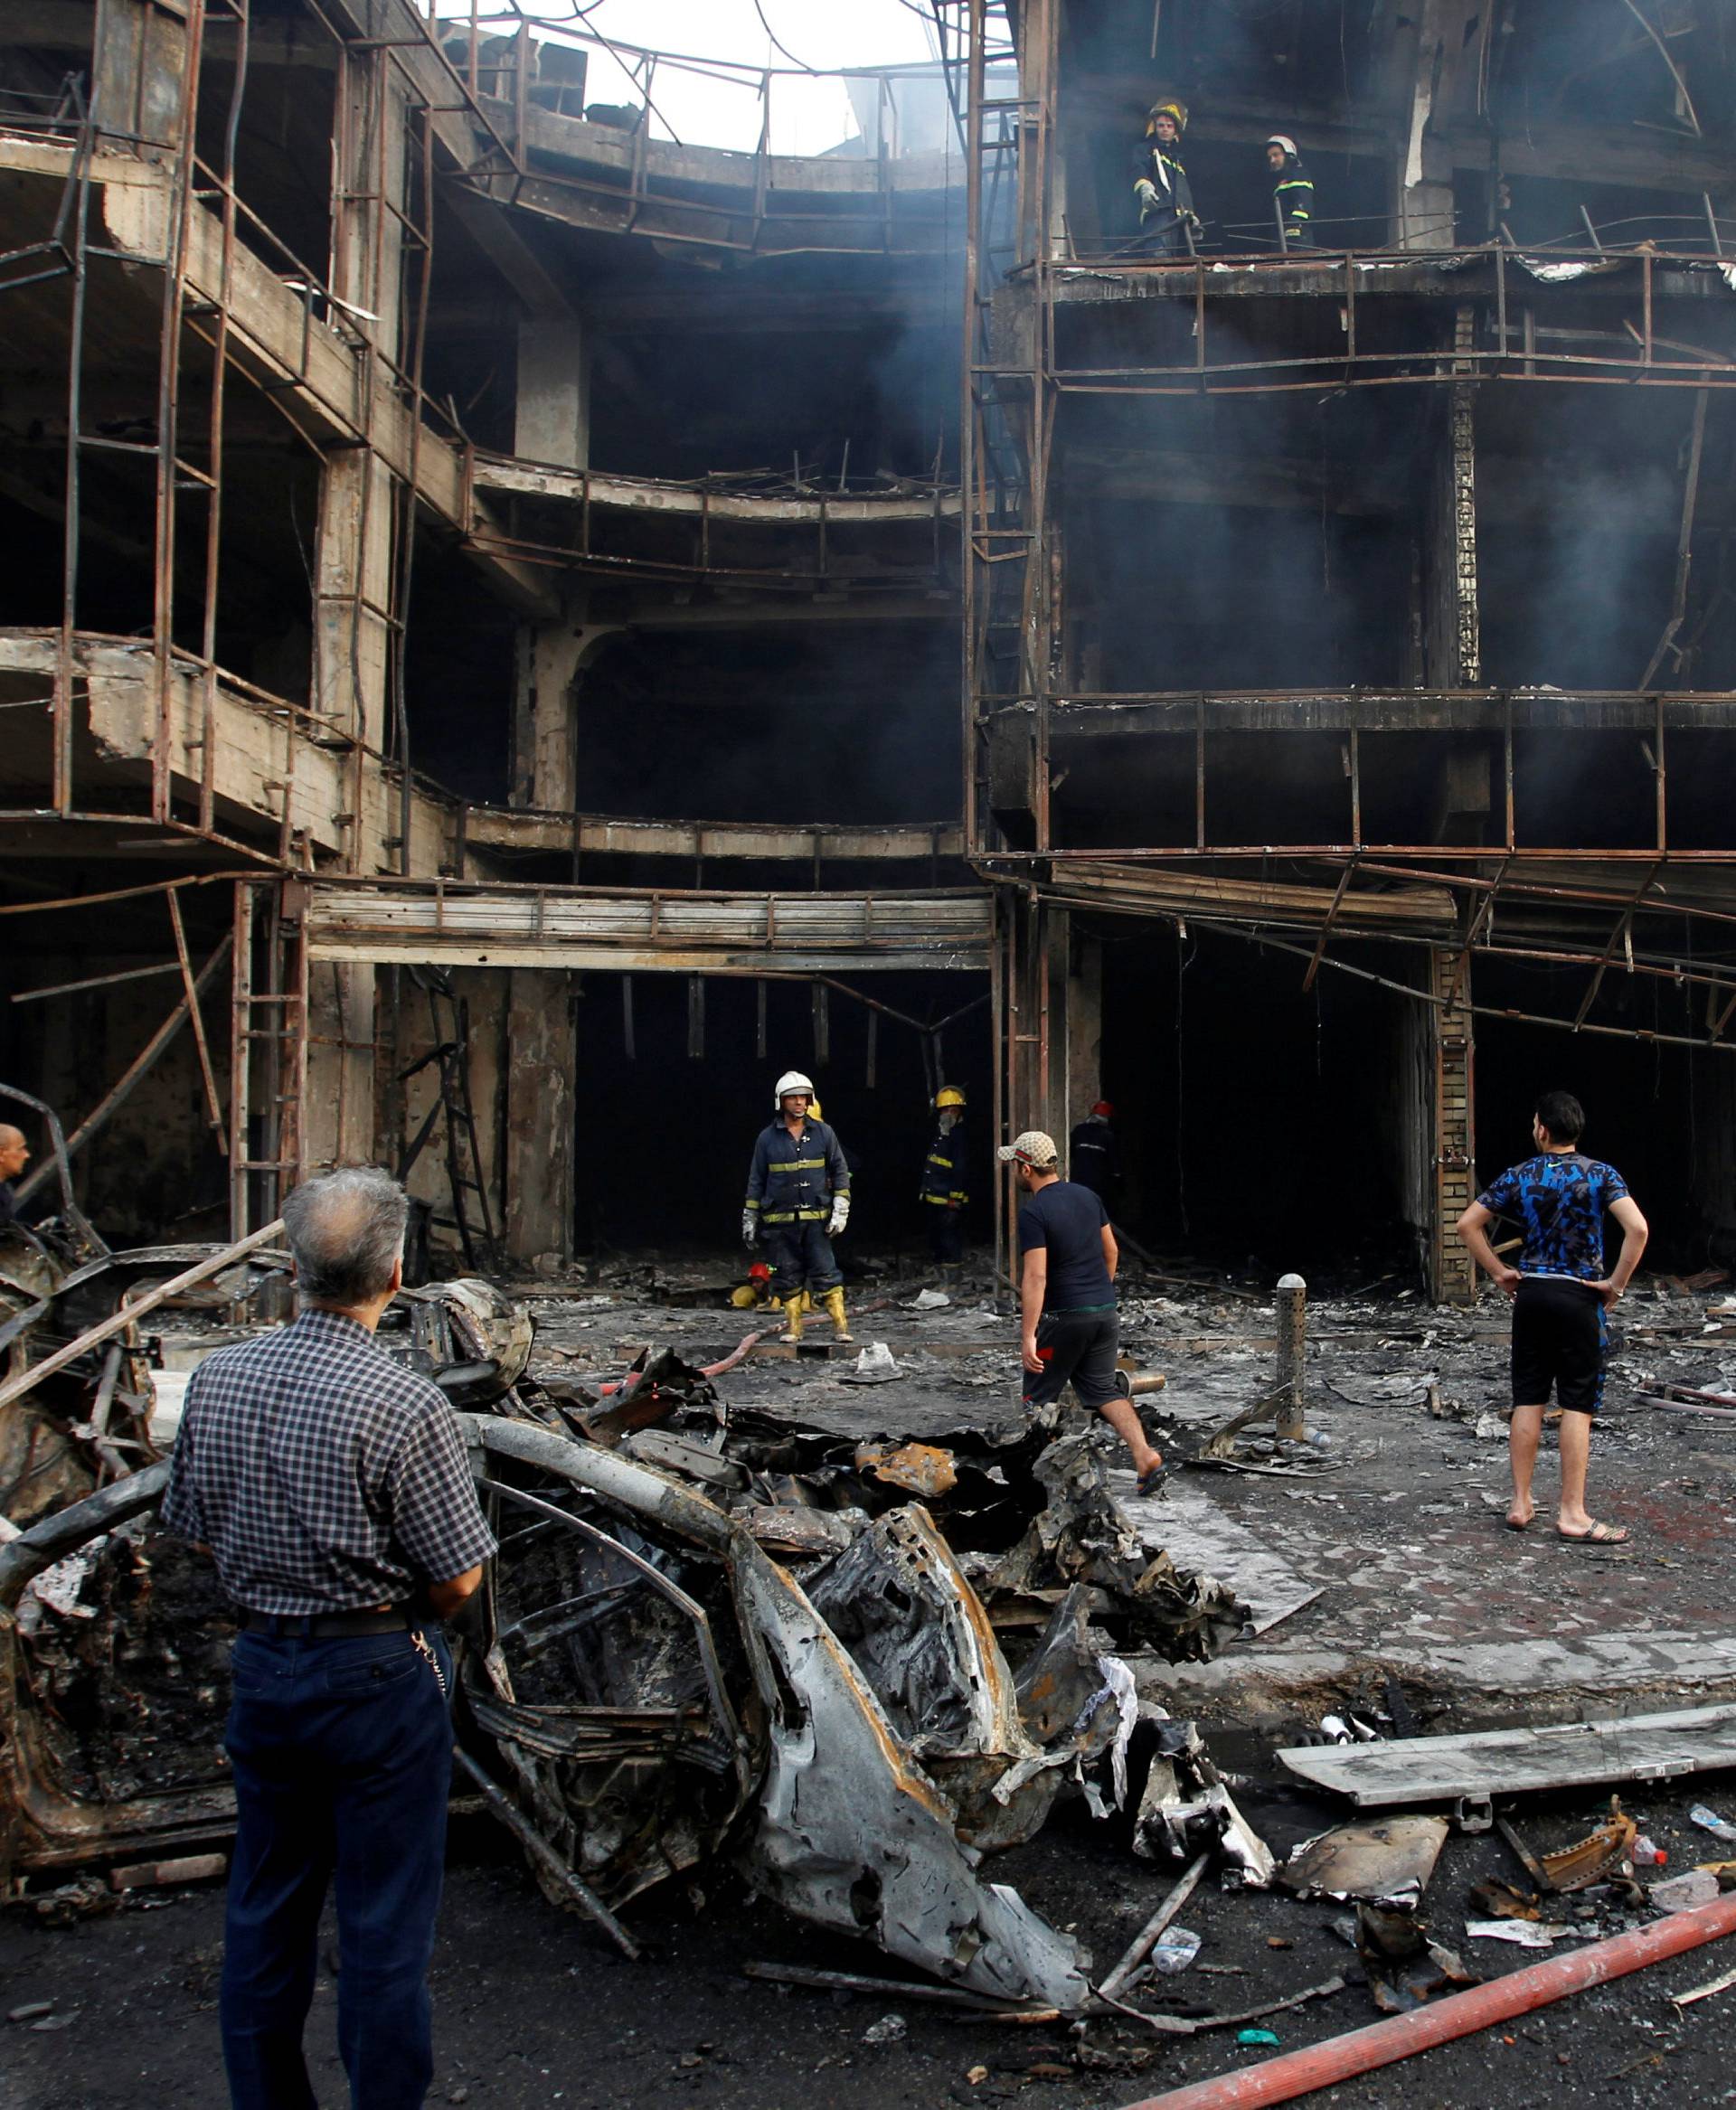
<point x="707" y="1637"/>
<point x="75" y="1397"/>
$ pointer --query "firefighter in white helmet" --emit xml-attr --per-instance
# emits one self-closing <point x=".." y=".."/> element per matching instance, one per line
<point x="798" y="1201"/>
<point x="1292" y="191"/>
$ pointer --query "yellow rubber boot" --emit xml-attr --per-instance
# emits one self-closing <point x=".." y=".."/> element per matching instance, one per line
<point x="792" y="1333"/>
<point x="834" y="1312"/>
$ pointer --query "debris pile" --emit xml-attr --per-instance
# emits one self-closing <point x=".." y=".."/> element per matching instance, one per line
<point x="852" y="1663"/>
<point x="847" y="1642"/>
<point x="713" y="1629"/>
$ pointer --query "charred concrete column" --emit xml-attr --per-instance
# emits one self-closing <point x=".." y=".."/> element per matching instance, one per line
<point x="551" y="423"/>
<point x="139" y="56"/>
<point x="1426" y="60"/>
<point x="1452" y="1273"/>
<point x="354" y="550"/>
<point x="342" y="1052"/>
<point x="1452" y="624"/>
<point x="354" y="568"/>
<point x="540" y="1058"/>
<point x="545" y="702"/>
<point x="1453" y="654"/>
<point x="551" y="409"/>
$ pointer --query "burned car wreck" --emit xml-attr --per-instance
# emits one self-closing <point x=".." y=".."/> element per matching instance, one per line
<point x="851" y="1662"/>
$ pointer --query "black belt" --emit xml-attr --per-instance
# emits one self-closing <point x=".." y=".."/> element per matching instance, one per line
<point x="327" y="1625"/>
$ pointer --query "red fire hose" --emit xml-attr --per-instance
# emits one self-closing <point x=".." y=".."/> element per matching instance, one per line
<point x="1341" y="2059"/>
<point x="712" y="1370"/>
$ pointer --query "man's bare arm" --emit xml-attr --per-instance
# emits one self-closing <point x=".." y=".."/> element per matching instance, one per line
<point x="1474" y="1228"/>
<point x="1033" y="1283"/>
<point x="1635" y="1232"/>
<point x="445" y="1597"/>
<point x="1112" y="1251"/>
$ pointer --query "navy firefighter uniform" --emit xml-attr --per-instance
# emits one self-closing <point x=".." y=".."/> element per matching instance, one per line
<point x="944" y="1192"/>
<point x="798" y="1201"/>
<point x="1167" y="221"/>
<point x="1292" y="191"/>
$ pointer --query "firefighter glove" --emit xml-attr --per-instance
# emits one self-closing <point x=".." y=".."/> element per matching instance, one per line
<point x="840" y="1215"/>
<point x="1146" y="191"/>
<point x="750" y="1228"/>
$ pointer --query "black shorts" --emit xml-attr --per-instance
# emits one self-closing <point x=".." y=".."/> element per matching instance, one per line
<point x="1080" y="1349"/>
<point x="1558" y="1340"/>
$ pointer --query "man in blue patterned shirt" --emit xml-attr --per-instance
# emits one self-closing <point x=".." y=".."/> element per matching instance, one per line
<point x="1560" y="1296"/>
<point x="331" y="1486"/>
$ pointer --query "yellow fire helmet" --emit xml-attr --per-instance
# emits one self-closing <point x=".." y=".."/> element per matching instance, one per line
<point x="1176" y="108"/>
<point x="948" y="1096"/>
<point x="814" y="1112"/>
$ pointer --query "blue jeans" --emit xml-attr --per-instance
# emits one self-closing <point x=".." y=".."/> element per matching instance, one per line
<point x="342" y="1753"/>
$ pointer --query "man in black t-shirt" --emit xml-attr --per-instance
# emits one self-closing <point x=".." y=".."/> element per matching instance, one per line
<point x="1070" y="1332"/>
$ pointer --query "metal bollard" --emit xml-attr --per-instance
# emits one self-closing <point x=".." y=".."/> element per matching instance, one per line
<point x="1292" y="1347"/>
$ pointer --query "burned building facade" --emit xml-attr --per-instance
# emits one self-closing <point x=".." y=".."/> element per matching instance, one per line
<point x="488" y="587"/>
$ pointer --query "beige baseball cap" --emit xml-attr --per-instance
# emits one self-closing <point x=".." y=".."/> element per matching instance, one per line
<point x="1033" y="1148"/>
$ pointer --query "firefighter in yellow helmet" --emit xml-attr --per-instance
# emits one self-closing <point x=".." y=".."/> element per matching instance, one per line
<point x="1167" y="221"/>
<point x="944" y="1191"/>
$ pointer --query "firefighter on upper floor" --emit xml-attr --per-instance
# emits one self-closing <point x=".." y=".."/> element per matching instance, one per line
<point x="1292" y="191"/>
<point x="797" y="1202"/>
<point x="944" y="1194"/>
<point x="1167" y="221"/>
<point x="1094" y="1155"/>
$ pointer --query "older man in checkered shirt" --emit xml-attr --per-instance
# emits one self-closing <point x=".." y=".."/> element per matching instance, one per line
<point x="331" y="1486"/>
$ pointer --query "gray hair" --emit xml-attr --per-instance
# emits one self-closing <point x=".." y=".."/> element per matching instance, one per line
<point x="346" y="1231"/>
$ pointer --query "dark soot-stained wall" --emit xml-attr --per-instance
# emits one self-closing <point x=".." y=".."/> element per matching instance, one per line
<point x="1650" y="1111"/>
<point x="800" y="724"/>
<point x="1246" y="1106"/>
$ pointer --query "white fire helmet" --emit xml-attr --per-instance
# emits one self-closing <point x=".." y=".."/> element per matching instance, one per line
<point x="792" y="1080"/>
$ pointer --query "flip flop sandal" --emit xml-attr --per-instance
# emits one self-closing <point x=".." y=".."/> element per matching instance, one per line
<point x="1529" y="1521"/>
<point x="1151" y="1481"/>
<point x="1600" y="1534"/>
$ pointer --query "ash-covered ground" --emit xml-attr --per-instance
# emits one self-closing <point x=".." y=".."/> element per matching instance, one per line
<point x="1377" y="1558"/>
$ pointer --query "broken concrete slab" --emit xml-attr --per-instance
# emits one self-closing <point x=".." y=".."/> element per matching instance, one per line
<point x="1197" y="1534"/>
<point x="1433" y="1769"/>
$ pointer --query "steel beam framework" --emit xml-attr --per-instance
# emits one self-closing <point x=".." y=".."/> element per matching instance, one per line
<point x="1040" y="324"/>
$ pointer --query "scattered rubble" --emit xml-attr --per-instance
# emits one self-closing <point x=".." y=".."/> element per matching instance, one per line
<point x="846" y="1643"/>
